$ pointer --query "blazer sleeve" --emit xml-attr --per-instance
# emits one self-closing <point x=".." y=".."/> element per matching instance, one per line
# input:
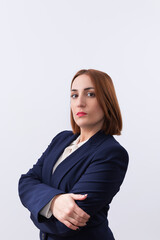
<point x="34" y="194"/>
<point x="101" y="181"/>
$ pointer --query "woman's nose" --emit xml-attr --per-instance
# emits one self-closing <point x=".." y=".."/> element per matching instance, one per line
<point x="81" y="101"/>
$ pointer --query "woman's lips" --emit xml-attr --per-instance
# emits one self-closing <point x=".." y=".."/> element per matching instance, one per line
<point x="80" y="114"/>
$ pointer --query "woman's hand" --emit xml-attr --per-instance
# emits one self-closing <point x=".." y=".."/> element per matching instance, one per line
<point x="65" y="209"/>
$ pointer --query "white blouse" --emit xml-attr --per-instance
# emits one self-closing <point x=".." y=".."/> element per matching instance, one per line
<point x="68" y="150"/>
<point x="46" y="212"/>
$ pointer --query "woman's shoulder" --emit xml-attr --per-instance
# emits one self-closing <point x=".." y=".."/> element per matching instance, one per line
<point x="111" y="146"/>
<point x="63" y="134"/>
<point x="59" y="138"/>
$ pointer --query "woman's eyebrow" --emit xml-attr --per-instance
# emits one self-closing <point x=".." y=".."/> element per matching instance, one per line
<point x="75" y="90"/>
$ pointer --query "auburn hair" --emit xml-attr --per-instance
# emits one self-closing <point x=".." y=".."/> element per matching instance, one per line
<point x="106" y="97"/>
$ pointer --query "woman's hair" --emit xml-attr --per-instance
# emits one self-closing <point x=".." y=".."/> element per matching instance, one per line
<point x="106" y="97"/>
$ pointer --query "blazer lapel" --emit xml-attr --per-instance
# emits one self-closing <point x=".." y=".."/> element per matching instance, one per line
<point x="54" y="155"/>
<point x="87" y="148"/>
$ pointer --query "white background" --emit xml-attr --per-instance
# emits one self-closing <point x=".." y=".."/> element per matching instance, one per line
<point x="42" y="45"/>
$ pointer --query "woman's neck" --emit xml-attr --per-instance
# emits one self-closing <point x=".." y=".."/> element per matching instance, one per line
<point x="86" y="134"/>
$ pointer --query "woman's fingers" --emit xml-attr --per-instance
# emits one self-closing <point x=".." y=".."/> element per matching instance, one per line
<point x="70" y="225"/>
<point x="76" y="223"/>
<point x="78" y="210"/>
<point x="82" y="215"/>
<point x="73" y="224"/>
<point x="78" y="196"/>
<point x="67" y="211"/>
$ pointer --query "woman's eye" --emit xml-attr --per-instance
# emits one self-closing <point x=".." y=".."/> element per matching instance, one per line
<point x="74" y="95"/>
<point x="91" y="94"/>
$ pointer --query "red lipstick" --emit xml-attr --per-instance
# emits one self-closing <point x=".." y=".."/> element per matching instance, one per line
<point x="80" y="114"/>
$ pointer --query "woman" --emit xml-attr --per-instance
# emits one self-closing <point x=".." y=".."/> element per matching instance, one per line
<point x="69" y="189"/>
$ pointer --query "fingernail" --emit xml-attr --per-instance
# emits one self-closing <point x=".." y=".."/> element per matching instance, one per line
<point x="84" y="195"/>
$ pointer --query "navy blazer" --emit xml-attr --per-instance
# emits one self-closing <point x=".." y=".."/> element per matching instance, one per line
<point x="97" y="168"/>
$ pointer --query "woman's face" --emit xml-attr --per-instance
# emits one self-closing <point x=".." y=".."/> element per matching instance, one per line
<point x="86" y="110"/>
